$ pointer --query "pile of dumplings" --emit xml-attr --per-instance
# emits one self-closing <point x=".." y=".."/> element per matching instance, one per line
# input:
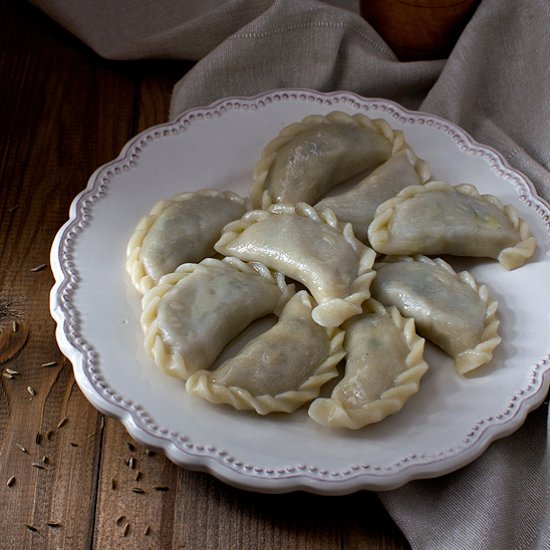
<point x="354" y="278"/>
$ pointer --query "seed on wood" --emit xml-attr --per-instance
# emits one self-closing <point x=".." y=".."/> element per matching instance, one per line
<point x="31" y="390"/>
<point x="120" y="520"/>
<point x="14" y="326"/>
<point x="62" y="422"/>
<point x="73" y="444"/>
<point x="31" y="528"/>
<point x="49" y="434"/>
<point x="46" y="459"/>
<point x="138" y="490"/>
<point x="149" y="453"/>
<point x="113" y="484"/>
<point x="132" y="462"/>
<point x="8" y="375"/>
<point x="11" y="371"/>
<point x="89" y="436"/>
<point x="21" y="448"/>
<point x="11" y="481"/>
<point x="49" y="364"/>
<point x="13" y="209"/>
<point x="130" y="447"/>
<point x="138" y="475"/>
<point x="38" y="465"/>
<point x="53" y="524"/>
<point x="39" y="268"/>
<point x="38" y="438"/>
<point x="126" y="530"/>
<point x="163" y="488"/>
<point x="147" y="531"/>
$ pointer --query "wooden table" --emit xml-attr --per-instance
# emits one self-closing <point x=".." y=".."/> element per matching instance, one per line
<point x="68" y="475"/>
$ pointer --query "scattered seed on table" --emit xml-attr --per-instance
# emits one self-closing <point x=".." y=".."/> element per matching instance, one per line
<point x="49" y="434"/>
<point x="126" y="530"/>
<point x="38" y="465"/>
<point x="49" y="364"/>
<point x="138" y="475"/>
<point x="113" y="484"/>
<point x="13" y="209"/>
<point x="46" y="459"/>
<point x="31" y="528"/>
<point x="14" y="326"/>
<point x="132" y="463"/>
<point x="21" y="448"/>
<point x="162" y="488"/>
<point x="120" y="519"/>
<point x="62" y="422"/>
<point x="149" y="453"/>
<point x="147" y="531"/>
<point x="38" y="438"/>
<point x="39" y="268"/>
<point x="130" y="447"/>
<point x="89" y="436"/>
<point x="11" y="481"/>
<point x="138" y="490"/>
<point x="53" y="524"/>
<point x="11" y="371"/>
<point x="74" y="444"/>
<point x="8" y="375"/>
<point x="31" y="390"/>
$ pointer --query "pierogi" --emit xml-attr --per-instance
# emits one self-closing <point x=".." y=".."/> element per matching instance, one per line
<point x="312" y="248"/>
<point x="384" y="366"/>
<point x="450" y="309"/>
<point x="279" y="370"/>
<point x="180" y="230"/>
<point x="193" y="313"/>
<point x="437" y="219"/>
<point x="310" y="157"/>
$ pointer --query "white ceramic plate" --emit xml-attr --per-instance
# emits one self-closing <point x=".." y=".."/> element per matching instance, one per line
<point x="446" y="425"/>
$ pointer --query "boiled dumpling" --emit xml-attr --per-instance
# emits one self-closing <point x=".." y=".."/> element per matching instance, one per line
<point x="193" y="313"/>
<point x="310" y="157"/>
<point x="358" y="205"/>
<point x="180" y="230"/>
<point x="312" y="248"/>
<point x="437" y="218"/>
<point x="384" y="366"/>
<point x="279" y="370"/>
<point x="450" y="309"/>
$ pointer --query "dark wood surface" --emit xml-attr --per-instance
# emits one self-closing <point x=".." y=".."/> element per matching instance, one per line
<point x="65" y="476"/>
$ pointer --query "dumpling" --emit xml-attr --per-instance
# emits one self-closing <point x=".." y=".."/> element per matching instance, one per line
<point x="436" y="219"/>
<point x="312" y="248"/>
<point x="450" y="309"/>
<point x="358" y="205"/>
<point x="281" y="369"/>
<point x="384" y="366"/>
<point x="180" y="230"/>
<point x="310" y="157"/>
<point x="193" y="313"/>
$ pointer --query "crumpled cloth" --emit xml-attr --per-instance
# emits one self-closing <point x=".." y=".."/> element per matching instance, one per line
<point x="495" y="84"/>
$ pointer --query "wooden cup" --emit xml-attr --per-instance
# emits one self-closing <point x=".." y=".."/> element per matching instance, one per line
<point x="419" y="29"/>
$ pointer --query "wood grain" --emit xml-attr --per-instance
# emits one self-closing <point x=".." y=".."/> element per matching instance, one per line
<point x="78" y="481"/>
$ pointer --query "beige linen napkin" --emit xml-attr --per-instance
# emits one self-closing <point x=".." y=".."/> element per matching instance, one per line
<point x="495" y="84"/>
